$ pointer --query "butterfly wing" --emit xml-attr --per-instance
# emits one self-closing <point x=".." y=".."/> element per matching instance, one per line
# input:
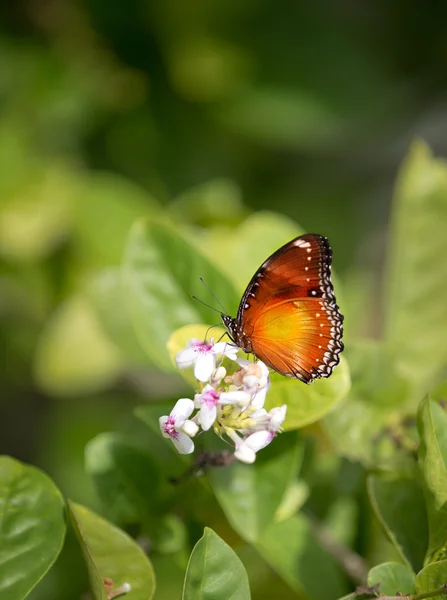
<point x="289" y="312"/>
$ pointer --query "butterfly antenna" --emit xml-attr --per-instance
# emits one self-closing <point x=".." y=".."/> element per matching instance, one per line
<point x="214" y="296"/>
<point x="205" y="304"/>
<point x="210" y="327"/>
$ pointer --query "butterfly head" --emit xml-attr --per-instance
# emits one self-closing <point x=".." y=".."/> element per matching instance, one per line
<point x="230" y="325"/>
<point x="236" y="333"/>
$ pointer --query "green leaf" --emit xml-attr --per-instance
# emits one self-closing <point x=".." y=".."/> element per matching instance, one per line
<point x="74" y="356"/>
<point x="111" y="553"/>
<point x="432" y="423"/>
<point x="400" y="506"/>
<point x="416" y="272"/>
<point x="125" y="477"/>
<point x="392" y="577"/>
<point x="107" y="206"/>
<point x="308" y="403"/>
<point x="432" y="577"/>
<point x="251" y="494"/>
<point x="290" y="548"/>
<point x="161" y="271"/>
<point x="375" y="376"/>
<point x="376" y="404"/>
<point x="105" y="291"/>
<point x="33" y="527"/>
<point x="215" y="572"/>
<point x="36" y="214"/>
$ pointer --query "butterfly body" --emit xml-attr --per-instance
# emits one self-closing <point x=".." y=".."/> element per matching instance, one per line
<point x="288" y="316"/>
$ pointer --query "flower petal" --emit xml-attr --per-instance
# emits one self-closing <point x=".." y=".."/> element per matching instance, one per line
<point x="259" y="398"/>
<point x="205" y="365"/>
<point x="183" y="443"/>
<point x="207" y="416"/>
<point x="182" y="410"/>
<point x="190" y="428"/>
<point x="244" y="362"/>
<point x="236" y="397"/>
<point x="162" y="422"/>
<point x="245" y="454"/>
<point x="227" y="349"/>
<point x="277" y="416"/>
<point x="185" y="358"/>
<point x="260" y="439"/>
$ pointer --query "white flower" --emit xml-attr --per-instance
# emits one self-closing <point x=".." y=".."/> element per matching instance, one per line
<point x="270" y="421"/>
<point x="277" y="416"/>
<point x="178" y="427"/>
<point x="255" y="380"/>
<point x="209" y="399"/>
<point x="203" y="356"/>
<point x="246" y="449"/>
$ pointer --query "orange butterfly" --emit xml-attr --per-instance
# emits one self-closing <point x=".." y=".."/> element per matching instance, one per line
<point x="288" y="316"/>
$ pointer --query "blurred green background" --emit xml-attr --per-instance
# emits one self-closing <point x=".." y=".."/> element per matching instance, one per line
<point x="204" y="111"/>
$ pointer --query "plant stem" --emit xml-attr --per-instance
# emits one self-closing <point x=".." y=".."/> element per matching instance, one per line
<point x="421" y="596"/>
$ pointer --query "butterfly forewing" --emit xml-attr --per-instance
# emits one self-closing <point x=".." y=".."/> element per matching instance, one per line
<point x="288" y="316"/>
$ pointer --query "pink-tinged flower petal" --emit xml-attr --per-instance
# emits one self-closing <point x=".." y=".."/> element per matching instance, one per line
<point x="182" y="410"/>
<point x="277" y="416"/>
<point x="207" y="415"/>
<point x="162" y="422"/>
<point x="245" y="454"/>
<point x="185" y="358"/>
<point x="183" y="443"/>
<point x="260" y="439"/>
<point x="205" y="365"/>
<point x="190" y="428"/>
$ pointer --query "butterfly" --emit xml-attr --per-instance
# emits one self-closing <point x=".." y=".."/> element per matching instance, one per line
<point x="288" y="316"/>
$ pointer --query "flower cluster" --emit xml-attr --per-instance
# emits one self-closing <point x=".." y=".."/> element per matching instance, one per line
<point x="230" y="400"/>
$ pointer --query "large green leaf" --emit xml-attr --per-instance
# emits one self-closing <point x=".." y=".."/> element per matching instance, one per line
<point x="125" y="477"/>
<point x="36" y="212"/>
<point x="215" y="572"/>
<point x="431" y="578"/>
<point x="107" y="205"/>
<point x="161" y="271"/>
<point x="111" y="554"/>
<point x="416" y="272"/>
<point x="359" y="428"/>
<point x="74" y="356"/>
<point x="400" y="506"/>
<point x="392" y="578"/>
<point x="106" y="294"/>
<point x="250" y="494"/>
<point x="432" y="423"/>
<point x="308" y="403"/>
<point x="33" y="527"/>
<point x="290" y="548"/>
